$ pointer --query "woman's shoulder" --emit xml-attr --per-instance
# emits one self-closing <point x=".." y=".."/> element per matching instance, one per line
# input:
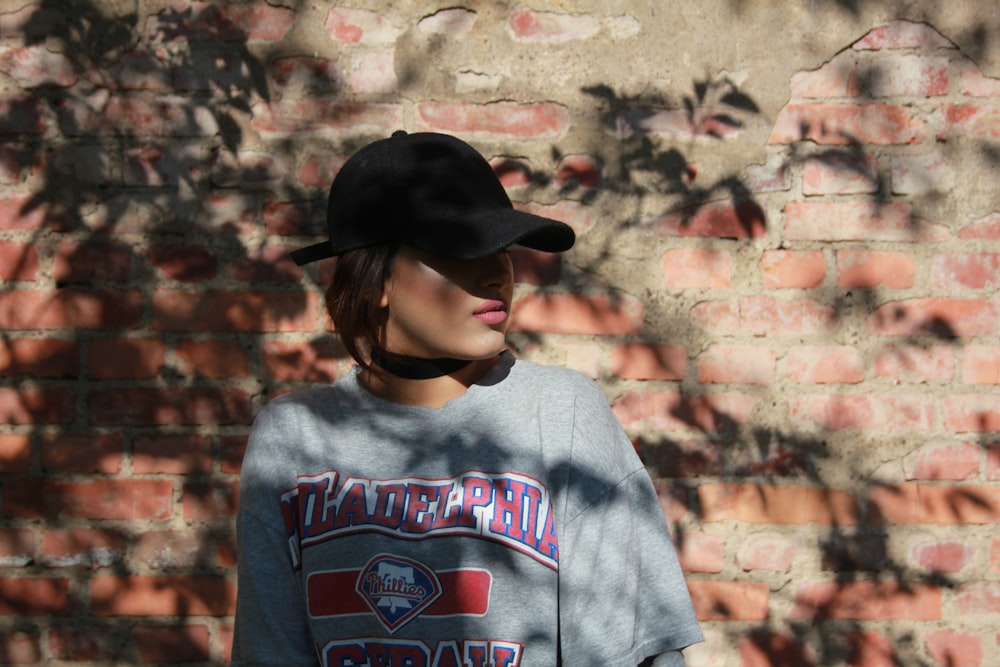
<point x="557" y="378"/>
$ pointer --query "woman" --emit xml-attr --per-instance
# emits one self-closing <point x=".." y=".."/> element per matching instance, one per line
<point x="444" y="504"/>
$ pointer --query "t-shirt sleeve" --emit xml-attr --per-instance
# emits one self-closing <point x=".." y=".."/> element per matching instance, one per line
<point x="271" y="625"/>
<point x="623" y="597"/>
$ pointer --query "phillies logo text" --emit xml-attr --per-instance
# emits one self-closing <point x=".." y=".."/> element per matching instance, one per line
<point x="509" y="508"/>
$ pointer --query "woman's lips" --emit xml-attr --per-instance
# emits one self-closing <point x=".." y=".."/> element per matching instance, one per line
<point x="491" y="312"/>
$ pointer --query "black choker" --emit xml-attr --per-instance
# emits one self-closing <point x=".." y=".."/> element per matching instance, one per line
<point x="415" y="368"/>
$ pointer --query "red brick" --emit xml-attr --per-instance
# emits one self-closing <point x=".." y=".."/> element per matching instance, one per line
<point x="973" y="121"/>
<point x="507" y="119"/>
<point x="83" y="644"/>
<point x="701" y="552"/>
<point x="92" y="262"/>
<point x="312" y="75"/>
<point x="272" y="264"/>
<point x="18" y="261"/>
<point x="125" y="358"/>
<point x="825" y="364"/>
<point x="987" y="227"/>
<point x="864" y="411"/>
<point x="82" y="547"/>
<point x="514" y="172"/>
<point x="868" y="268"/>
<point x="18" y="211"/>
<point x="840" y="174"/>
<point x="231" y="454"/>
<point x="729" y="600"/>
<point x="951" y="648"/>
<point x="930" y="504"/>
<point x="837" y="78"/>
<point x="39" y="357"/>
<point x="93" y="453"/>
<point x="218" y="358"/>
<point x="902" y="34"/>
<point x="942" y="557"/>
<point x="871" y="649"/>
<point x="180" y="595"/>
<point x="96" y="499"/>
<point x="977" y="599"/>
<point x="527" y="25"/>
<point x="993" y="462"/>
<point x="359" y="26"/>
<point x="184" y="263"/>
<point x="915" y="364"/>
<point x="697" y="268"/>
<point x="22" y="646"/>
<point x="186" y="643"/>
<point x="737" y="364"/>
<point x="305" y="116"/>
<point x="579" y="171"/>
<point x="210" y="500"/>
<point x="34" y="405"/>
<point x="857" y="221"/>
<point x="867" y="601"/>
<point x="535" y="267"/>
<point x="764" y="316"/>
<point x="315" y="361"/>
<point x="172" y="549"/>
<point x="769" y="552"/>
<point x="995" y="556"/>
<point x="797" y="269"/>
<point x="215" y="311"/>
<point x="34" y="596"/>
<point x="17" y="547"/>
<point x="673" y="411"/>
<point x="681" y="458"/>
<point x="169" y="406"/>
<point x="972" y="413"/>
<point x="649" y="361"/>
<point x="730" y="220"/>
<point x="70" y="308"/>
<point x="762" y="648"/>
<point x="910" y="76"/>
<point x="172" y="454"/>
<point x="846" y="124"/>
<point x="15" y="453"/>
<point x="787" y="505"/>
<point x="939" y="317"/>
<point x="373" y="73"/>
<point x="973" y="270"/>
<point x="950" y="461"/>
<point x="577" y="314"/>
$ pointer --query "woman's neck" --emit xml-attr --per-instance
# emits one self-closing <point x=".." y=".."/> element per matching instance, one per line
<point x="431" y="392"/>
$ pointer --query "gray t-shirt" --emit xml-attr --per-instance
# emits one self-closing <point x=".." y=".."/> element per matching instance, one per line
<point x="513" y="527"/>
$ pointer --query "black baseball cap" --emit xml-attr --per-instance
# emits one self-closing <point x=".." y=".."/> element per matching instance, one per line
<point x="433" y="192"/>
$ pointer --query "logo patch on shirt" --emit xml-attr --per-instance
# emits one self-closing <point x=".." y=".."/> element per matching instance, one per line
<point x="397" y="589"/>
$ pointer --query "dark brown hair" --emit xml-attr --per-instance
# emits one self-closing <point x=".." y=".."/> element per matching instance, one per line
<point x="352" y="300"/>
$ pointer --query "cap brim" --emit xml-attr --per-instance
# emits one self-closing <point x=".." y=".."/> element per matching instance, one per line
<point x="312" y="253"/>
<point x="484" y="232"/>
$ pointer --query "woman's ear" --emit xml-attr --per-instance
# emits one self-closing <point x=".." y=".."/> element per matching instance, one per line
<point x="383" y="300"/>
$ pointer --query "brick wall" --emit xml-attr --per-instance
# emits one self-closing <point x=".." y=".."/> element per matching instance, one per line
<point x="786" y="283"/>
